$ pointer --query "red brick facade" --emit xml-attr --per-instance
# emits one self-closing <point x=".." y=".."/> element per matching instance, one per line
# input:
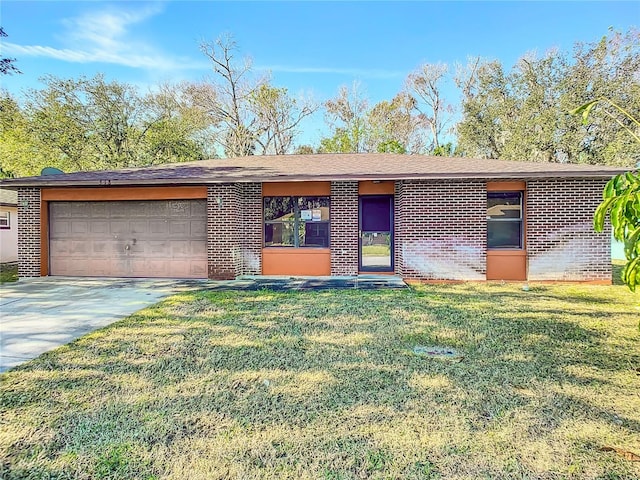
<point x="561" y="242"/>
<point x="251" y="238"/>
<point x="441" y="229"/>
<point x="344" y="228"/>
<point x="29" y="232"/>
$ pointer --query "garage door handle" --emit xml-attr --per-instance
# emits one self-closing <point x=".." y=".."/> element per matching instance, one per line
<point x="127" y="247"/>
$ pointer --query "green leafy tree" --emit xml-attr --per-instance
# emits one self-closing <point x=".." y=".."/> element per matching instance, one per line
<point x="389" y="126"/>
<point x="346" y="116"/>
<point x="278" y="118"/>
<point x="89" y="124"/>
<point x="621" y="199"/>
<point x="523" y="114"/>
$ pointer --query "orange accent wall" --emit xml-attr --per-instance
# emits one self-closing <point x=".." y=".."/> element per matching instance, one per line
<point x="280" y="189"/>
<point x="369" y="187"/>
<point x="506" y="265"/>
<point x="506" y="186"/>
<point x="123" y="193"/>
<point x="296" y="261"/>
<point x="44" y="238"/>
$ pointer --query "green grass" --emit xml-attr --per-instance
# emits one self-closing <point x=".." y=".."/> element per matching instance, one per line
<point x="324" y="385"/>
<point x="8" y="272"/>
<point x="375" y="250"/>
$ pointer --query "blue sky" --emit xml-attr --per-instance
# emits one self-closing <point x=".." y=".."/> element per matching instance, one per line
<point x="310" y="47"/>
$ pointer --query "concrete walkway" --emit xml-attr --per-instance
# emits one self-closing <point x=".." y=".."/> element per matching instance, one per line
<point x="37" y="315"/>
<point x="281" y="283"/>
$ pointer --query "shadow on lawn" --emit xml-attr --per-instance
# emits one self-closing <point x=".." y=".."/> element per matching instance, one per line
<point x="253" y="361"/>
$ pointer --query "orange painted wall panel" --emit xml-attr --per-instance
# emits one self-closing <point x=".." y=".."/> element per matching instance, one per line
<point x="368" y="187"/>
<point x="44" y="238"/>
<point x="296" y="261"/>
<point x="281" y="189"/>
<point x="123" y="193"/>
<point x="506" y="186"/>
<point x="507" y="265"/>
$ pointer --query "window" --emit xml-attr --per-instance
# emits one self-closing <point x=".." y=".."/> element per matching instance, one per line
<point x="296" y="222"/>
<point x="5" y="222"/>
<point x="504" y="220"/>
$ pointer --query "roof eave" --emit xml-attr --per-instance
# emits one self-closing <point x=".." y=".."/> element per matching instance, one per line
<point x="13" y="184"/>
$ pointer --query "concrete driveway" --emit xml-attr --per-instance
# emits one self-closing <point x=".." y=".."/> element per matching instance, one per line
<point x="37" y="315"/>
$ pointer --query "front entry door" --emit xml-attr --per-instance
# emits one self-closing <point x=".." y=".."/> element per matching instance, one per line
<point x="376" y="233"/>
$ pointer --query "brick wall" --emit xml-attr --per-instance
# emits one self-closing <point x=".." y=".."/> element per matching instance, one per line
<point x="397" y="228"/>
<point x="441" y="230"/>
<point x="223" y="231"/>
<point x="251" y="236"/>
<point x="344" y="228"/>
<point x="561" y="243"/>
<point x="28" y="232"/>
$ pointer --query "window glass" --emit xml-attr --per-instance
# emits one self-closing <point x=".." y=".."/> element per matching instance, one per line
<point x="376" y="214"/>
<point x="296" y="222"/>
<point x="501" y="205"/>
<point x="4" y="220"/>
<point x="278" y="208"/>
<point x="504" y="235"/>
<point x="504" y="220"/>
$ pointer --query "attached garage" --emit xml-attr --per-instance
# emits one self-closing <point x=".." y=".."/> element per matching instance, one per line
<point x="161" y="238"/>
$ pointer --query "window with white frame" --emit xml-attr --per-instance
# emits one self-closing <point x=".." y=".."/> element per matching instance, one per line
<point x="5" y="220"/>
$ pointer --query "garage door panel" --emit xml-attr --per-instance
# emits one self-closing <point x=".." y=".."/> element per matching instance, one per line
<point x="179" y="228"/>
<point x="199" y="209"/>
<point x="129" y="239"/>
<point x="179" y="208"/>
<point x="198" y="229"/>
<point x="100" y="267"/>
<point x="79" y="227"/>
<point x="157" y="227"/>
<point x="118" y="227"/>
<point x="60" y="209"/>
<point x="199" y="249"/>
<point x="99" y="228"/>
<point x="60" y="228"/>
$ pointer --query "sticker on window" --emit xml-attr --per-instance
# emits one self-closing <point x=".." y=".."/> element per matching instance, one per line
<point x="317" y="214"/>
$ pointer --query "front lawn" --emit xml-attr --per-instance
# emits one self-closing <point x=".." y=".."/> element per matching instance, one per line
<point x="8" y="272"/>
<point x="327" y="385"/>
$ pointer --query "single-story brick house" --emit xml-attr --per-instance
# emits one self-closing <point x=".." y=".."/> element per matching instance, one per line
<point x="420" y="217"/>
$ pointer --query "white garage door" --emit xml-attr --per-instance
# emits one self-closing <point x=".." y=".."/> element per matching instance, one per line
<point x="166" y="238"/>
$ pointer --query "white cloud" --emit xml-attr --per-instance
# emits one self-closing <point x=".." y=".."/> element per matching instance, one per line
<point x="105" y="37"/>
<point x="356" y="72"/>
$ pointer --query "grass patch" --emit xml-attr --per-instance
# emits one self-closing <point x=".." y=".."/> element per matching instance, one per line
<point x="8" y="272"/>
<point x="616" y="269"/>
<point x="325" y="385"/>
<point x="375" y="250"/>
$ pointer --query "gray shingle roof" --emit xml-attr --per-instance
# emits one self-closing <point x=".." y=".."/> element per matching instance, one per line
<point x="318" y="167"/>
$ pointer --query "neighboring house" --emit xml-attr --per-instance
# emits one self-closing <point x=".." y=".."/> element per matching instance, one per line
<point x="8" y="226"/>
<point x="423" y="218"/>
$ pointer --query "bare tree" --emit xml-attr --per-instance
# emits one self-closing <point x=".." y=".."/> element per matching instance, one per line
<point x="247" y="114"/>
<point x="226" y="99"/>
<point x="426" y="84"/>
<point x="7" y="65"/>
